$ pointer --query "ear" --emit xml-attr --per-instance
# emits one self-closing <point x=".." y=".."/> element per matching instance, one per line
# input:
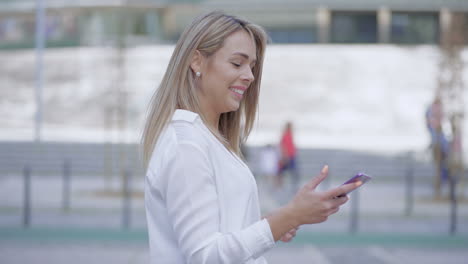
<point x="197" y="62"/>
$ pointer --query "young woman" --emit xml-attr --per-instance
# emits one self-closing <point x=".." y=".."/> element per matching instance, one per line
<point x="201" y="199"/>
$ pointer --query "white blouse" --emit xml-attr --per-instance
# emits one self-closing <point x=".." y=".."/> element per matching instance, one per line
<point x="201" y="200"/>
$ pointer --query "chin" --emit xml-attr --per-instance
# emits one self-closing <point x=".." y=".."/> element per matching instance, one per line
<point x="233" y="108"/>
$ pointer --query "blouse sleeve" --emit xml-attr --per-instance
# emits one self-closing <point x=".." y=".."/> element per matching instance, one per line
<point x="193" y="207"/>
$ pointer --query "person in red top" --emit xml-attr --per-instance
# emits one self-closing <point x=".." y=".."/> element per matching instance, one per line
<point x="288" y="157"/>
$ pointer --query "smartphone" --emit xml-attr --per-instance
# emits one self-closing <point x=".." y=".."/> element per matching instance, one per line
<point x="358" y="177"/>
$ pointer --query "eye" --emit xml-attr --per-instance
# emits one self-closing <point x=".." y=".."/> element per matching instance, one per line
<point x="237" y="65"/>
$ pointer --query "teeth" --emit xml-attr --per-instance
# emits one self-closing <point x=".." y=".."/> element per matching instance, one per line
<point x="241" y="92"/>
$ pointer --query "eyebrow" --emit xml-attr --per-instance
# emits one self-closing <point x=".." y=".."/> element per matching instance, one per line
<point x="244" y="55"/>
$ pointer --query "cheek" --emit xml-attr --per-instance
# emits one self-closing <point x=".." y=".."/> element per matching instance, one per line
<point x="220" y="76"/>
<point x="225" y="72"/>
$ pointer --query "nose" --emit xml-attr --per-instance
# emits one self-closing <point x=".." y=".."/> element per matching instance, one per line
<point x="248" y="75"/>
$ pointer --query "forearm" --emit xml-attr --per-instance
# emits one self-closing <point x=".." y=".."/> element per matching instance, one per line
<point x="230" y="247"/>
<point x="282" y="221"/>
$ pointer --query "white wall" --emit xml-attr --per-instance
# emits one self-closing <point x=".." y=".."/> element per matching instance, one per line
<point x="368" y="97"/>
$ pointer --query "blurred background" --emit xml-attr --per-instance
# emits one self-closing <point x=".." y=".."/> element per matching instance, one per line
<point x="357" y="79"/>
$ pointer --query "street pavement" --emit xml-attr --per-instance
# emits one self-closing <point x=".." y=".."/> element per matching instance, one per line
<point x="91" y="230"/>
<point x="123" y="253"/>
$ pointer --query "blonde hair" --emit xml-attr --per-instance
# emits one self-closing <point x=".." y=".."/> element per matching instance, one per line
<point x="178" y="90"/>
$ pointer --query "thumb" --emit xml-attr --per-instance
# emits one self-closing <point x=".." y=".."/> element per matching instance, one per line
<point x="312" y="184"/>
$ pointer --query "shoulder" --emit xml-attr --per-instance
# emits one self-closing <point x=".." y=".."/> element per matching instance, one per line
<point x="188" y="128"/>
<point x="185" y="128"/>
<point x="182" y="144"/>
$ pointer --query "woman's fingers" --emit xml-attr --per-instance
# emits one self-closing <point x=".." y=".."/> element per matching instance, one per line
<point x="286" y="238"/>
<point x="336" y="202"/>
<point x="312" y="207"/>
<point x="342" y="190"/>
<point x="312" y="184"/>
<point x="333" y="210"/>
<point x="289" y="236"/>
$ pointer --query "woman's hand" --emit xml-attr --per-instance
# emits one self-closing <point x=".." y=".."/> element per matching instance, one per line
<point x="310" y="206"/>
<point x="289" y="235"/>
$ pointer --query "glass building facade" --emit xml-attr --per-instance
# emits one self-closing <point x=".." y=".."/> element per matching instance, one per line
<point x="103" y="25"/>
<point x="414" y="28"/>
<point x="349" y="27"/>
<point x="293" y="35"/>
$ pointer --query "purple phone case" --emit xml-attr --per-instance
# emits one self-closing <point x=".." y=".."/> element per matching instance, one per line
<point x="358" y="177"/>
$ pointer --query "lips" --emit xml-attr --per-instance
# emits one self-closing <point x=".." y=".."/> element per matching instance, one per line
<point x="238" y="90"/>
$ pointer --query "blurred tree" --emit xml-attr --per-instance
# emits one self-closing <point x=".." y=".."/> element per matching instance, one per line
<point x="451" y="88"/>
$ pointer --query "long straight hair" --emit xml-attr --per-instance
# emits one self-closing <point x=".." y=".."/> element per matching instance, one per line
<point x="178" y="90"/>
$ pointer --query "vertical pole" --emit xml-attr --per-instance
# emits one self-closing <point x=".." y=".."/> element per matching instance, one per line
<point x="27" y="197"/>
<point x="445" y="18"/>
<point x="40" y="43"/>
<point x="323" y="22"/>
<point x="126" y="200"/>
<point x="66" y="186"/>
<point x="453" y="204"/>
<point x="409" y="185"/>
<point x="384" y="20"/>
<point x="354" y="220"/>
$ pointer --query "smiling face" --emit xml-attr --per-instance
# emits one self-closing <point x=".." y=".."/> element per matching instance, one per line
<point x="225" y="75"/>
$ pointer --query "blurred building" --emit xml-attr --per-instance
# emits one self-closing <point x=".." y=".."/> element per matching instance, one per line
<point x="102" y="22"/>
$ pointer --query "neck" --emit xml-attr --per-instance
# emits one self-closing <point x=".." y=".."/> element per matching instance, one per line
<point x="212" y="118"/>
<point x="213" y="121"/>
<point x="208" y="111"/>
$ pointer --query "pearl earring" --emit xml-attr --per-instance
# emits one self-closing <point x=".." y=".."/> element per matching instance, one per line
<point x="198" y="74"/>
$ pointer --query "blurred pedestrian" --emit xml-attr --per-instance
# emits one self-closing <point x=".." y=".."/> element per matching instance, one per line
<point x="201" y="199"/>
<point x="439" y="143"/>
<point x="268" y="163"/>
<point x="288" y="161"/>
